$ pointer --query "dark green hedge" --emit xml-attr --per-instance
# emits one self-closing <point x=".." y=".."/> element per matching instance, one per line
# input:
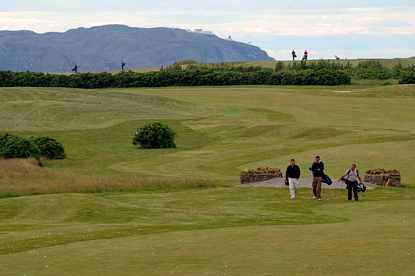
<point x="17" y="147"/>
<point x="315" y="77"/>
<point x="190" y="73"/>
<point x="372" y="69"/>
<point x="408" y="76"/>
<point x="191" y="76"/>
<point x="49" y="148"/>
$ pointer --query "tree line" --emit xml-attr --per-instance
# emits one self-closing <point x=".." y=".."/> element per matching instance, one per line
<point x="193" y="74"/>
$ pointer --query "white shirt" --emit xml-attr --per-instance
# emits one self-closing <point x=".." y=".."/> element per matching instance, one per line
<point x="352" y="175"/>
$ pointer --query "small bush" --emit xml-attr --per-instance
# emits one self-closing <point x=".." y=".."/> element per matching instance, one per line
<point x="155" y="136"/>
<point x="372" y="69"/>
<point x="408" y="76"/>
<point x="17" y="147"/>
<point x="49" y="147"/>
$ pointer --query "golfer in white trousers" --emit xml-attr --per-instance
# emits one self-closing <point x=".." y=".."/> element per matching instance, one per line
<point x="292" y="177"/>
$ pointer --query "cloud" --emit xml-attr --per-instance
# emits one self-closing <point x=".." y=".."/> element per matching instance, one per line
<point x="263" y="28"/>
<point x="177" y="5"/>
<point x="281" y="22"/>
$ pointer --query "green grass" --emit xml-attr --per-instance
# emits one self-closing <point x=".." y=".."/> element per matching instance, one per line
<point x="235" y="231"/>
<point x="181" y="211"/>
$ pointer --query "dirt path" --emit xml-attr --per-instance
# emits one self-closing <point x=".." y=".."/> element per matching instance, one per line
<point x="305" y="182"/>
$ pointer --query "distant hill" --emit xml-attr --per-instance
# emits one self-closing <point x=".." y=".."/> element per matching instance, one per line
<point x="103" y="48"/>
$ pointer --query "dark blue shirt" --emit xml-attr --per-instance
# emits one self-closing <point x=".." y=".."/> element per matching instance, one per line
<point x="318" y="169"/>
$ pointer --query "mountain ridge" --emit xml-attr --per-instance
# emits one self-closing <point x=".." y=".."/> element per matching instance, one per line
<point x="103" y="48"/>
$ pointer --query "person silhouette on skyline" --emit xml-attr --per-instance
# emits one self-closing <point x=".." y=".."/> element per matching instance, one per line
<point x="75" y="69"/>
<point x="294" y="55"/>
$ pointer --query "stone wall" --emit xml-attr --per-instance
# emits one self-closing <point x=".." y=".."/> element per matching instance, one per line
<point x="259" y="175"/>
<point x="382" y="177"/>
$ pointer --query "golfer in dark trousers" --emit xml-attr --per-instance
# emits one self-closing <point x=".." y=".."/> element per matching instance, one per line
<point x="292" y="177"/>
<point x="317" y="168"/>
<point x="351" y="178"/>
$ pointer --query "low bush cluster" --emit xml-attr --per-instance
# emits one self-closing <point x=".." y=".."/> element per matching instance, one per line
<point x="18" y="147"/>
<point x="372" y="69"/>
<point x="155" y="136"/>
<point x="408" y="76"/>
<point x="315" y="77"/>
<point x="49" y="148"/>
<point x="12" y="146"/>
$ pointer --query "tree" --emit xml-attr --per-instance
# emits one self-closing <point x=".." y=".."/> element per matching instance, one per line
<point x="155" y="136"/>
<point x="49" y="147"/>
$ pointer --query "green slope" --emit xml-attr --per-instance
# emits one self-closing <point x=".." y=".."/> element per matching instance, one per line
<point x="168" y="220"/>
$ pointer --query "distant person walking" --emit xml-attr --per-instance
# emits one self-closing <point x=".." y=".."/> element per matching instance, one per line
<point x="305" y="57"/>
<point x="292" y="177"/>
<point x="317" y="169"/>
<point x="294" y="55"/>
<point x="351" y="178"/>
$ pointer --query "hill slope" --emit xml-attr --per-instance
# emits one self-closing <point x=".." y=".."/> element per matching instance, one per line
<point x="103" y="48"/>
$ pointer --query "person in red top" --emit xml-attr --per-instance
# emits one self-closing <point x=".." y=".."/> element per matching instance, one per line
<point x="305" y="58"/>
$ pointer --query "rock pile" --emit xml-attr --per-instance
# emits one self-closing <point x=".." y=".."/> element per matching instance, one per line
<point x="259" y="175"/>
<point x="383" y="177"/>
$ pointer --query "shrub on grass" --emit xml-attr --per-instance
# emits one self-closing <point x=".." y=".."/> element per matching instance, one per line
<point x="372" y="69"/>
<point x="155" y="136"/>
<point x="17" y="147"/>
<point x="408" y="76"/>
<point x="49" y="147"/>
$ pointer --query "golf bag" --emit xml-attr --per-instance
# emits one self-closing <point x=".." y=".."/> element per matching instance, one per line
<point x="361" y="188"/>
<point x="327" y="180"/>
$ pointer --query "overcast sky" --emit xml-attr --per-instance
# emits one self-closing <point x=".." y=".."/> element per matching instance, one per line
<point x="354" y="28"/>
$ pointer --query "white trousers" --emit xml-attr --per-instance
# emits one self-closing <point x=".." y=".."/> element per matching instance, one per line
<point x="293" y="184"/>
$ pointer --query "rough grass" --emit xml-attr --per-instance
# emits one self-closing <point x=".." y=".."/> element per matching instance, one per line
<point x="24" y="177"/>
<point x="113" y="209"/>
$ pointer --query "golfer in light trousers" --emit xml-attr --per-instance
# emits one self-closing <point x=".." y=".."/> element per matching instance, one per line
<point x="292" y="176"/>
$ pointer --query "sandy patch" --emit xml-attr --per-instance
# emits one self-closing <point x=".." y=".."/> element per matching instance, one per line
<point x="343" y="91"/>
